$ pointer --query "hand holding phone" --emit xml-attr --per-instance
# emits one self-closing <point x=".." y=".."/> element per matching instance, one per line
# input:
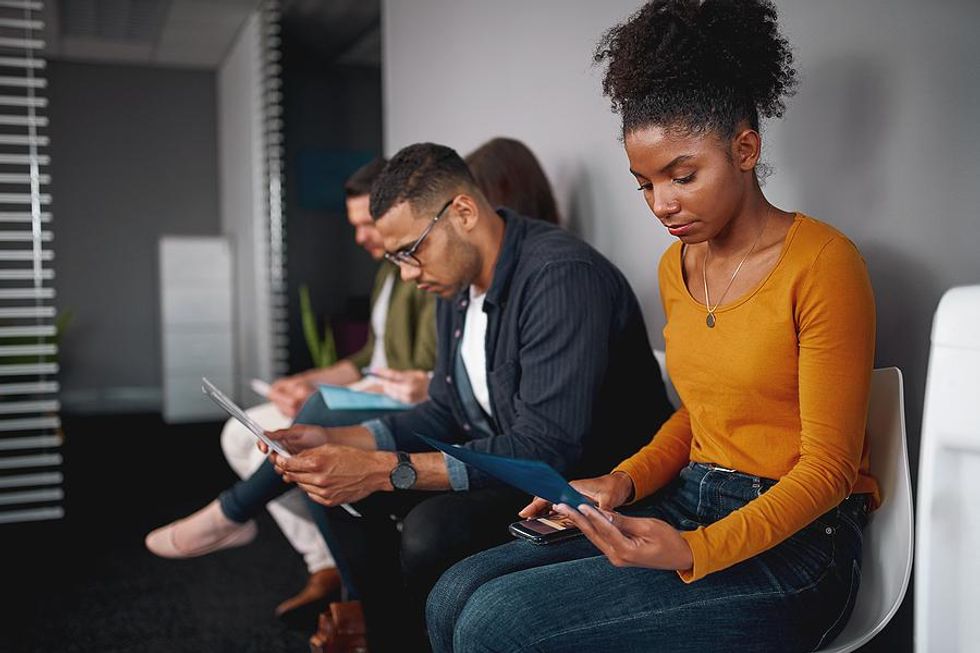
<point x="608" y="492"/>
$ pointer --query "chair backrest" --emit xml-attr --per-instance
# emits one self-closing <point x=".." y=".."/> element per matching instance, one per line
<point x="887" y="555"/>
<point x="948" y="523"/>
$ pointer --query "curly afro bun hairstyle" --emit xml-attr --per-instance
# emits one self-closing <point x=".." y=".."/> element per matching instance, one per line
<point x="697" y="65"/>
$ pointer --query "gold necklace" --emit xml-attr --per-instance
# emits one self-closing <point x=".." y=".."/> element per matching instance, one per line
<point x="710" y="320"/>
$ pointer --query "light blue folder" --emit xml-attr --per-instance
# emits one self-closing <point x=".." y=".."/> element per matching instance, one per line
<point x="335" y="398"/>
<point x="340" y="398"/>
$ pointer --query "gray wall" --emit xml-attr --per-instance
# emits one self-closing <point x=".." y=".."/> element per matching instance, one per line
<point x="882" y="139"/>
<point x="133" y="157"/>
<point x="883" y="142"/>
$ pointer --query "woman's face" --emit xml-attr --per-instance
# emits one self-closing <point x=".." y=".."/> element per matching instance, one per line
<point x="694" y="184"/>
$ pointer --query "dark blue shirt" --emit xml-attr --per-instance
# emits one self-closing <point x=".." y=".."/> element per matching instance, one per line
<point x="572" y="378"/>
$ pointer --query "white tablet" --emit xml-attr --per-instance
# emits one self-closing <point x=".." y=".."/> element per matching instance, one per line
<point x="229" y="407"/>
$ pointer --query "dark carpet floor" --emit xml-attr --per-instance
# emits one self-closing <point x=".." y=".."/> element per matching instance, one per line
<point x="86" y="583"/>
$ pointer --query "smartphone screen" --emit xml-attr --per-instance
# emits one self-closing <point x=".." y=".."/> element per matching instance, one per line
<point x="549" y="524"/>
<point x="545" y="530"/>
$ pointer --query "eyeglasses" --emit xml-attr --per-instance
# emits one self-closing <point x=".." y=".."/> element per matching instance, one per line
<point x="406" y="255"/>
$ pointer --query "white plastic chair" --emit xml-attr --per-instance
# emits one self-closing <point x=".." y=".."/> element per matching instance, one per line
<point x="948" y="534"/>
<point x="887" y="556"/>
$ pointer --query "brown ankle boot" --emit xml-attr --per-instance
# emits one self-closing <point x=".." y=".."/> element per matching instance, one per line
<point x="340" y="630"/>
<point x="300" y="611"/>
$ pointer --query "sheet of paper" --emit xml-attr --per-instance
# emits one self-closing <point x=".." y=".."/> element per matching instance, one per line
<point x="260" y="387"/>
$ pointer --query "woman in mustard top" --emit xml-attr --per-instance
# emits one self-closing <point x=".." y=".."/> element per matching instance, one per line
<point x="739" y="524"/>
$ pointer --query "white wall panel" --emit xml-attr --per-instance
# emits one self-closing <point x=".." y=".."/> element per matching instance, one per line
<point x="196" y="324"/>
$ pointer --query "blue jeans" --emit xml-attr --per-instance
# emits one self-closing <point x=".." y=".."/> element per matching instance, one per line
<point x="243" y="500"/>
<point x="567" y="596"/>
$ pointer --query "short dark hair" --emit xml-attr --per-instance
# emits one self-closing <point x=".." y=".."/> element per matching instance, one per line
<point x="509" y="174"/>
<point x="420" y="174"/>
<point x="360" y="182"/>
<point x="697" y="65"/>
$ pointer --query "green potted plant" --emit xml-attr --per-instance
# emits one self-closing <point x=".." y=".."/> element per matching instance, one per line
<point x="323" y="349"/>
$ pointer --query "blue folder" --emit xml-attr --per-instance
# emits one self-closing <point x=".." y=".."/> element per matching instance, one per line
<point x="532" y="476"/>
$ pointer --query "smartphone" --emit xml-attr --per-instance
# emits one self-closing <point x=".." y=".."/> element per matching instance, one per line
<point x="545" y="530"/>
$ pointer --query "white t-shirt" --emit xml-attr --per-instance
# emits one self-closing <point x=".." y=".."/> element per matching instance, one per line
<point x="379" y="319"/>
<point x="474" y="349"/>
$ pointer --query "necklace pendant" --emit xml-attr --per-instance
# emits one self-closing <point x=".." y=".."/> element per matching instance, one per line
<point x="710" y="320"/>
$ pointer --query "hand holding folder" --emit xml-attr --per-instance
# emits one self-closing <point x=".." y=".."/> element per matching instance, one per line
<point x="532" y="476"/>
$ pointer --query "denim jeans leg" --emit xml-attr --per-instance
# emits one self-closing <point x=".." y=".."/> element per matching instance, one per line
<point x="795" y="596"/>
<point x="247" y="497"/>
<point x="590" y="605"/>
<point x="449" y="596"/>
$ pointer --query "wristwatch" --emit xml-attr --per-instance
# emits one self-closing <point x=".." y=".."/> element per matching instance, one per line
<point x="403" y="476"/>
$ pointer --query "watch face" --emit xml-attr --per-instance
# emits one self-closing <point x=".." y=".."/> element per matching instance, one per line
<point x="403" y="476"/>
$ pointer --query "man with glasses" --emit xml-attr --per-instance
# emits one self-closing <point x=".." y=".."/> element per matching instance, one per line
<point x="538" y="336"/>
<point x="401" y="347"/>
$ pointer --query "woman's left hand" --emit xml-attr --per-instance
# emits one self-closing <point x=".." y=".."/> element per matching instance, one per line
<point x="632" y="541"/>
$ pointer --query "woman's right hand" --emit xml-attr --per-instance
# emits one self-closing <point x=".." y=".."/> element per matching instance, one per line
<point x="609" y="492"/>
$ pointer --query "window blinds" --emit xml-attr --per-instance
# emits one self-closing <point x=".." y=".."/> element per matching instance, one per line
<point x="30" y="426"/>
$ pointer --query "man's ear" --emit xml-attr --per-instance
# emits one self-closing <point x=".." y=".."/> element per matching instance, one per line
<point x="466" y="211"/>
<point x="746" y="149"/>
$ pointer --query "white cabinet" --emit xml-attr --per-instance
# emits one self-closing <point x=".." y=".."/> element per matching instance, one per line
<point x="195" y="324"/>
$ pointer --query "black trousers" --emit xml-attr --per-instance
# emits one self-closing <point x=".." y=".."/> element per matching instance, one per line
<point x="396" y="551"/>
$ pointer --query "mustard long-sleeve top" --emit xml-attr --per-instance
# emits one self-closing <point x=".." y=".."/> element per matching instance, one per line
<point x="777" y="389"/>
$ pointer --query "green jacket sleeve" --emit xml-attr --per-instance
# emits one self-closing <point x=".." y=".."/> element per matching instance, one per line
<point x="410" y="327"/>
